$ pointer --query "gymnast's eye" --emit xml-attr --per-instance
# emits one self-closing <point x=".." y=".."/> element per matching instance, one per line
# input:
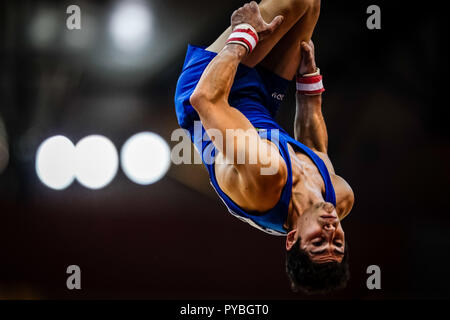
<point x="338" y="244"/>
<point x="317" y="243"/>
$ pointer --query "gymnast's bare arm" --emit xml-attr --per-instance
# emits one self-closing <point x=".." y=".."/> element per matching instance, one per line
<point x="242" y="182"/>
<point x="310" y="129"/>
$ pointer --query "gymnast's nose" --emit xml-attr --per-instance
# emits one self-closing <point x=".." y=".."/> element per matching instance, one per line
<point x="328" y="207"/>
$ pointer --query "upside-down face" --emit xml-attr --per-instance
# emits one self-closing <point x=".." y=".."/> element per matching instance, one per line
<point x="321" y="234"/>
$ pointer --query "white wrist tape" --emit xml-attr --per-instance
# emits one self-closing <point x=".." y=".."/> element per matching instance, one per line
<point x="245" y="35"/>
<point x="312" y="74"/>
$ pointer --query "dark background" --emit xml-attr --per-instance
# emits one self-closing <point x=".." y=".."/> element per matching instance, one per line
<point x="175" y="239"/>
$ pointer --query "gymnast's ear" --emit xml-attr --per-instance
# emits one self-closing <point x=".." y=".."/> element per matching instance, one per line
<point x="290" y="239"/>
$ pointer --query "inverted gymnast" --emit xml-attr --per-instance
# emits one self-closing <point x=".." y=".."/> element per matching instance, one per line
<point x="235" y="87"/>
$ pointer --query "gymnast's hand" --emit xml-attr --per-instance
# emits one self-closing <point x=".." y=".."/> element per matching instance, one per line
<point x="250" y="14"/>
<point x="308" y="60"/>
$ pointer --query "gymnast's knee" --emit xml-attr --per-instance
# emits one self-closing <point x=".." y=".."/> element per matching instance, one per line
<point x="298" y="6"/>
<point x="311" y="5"/>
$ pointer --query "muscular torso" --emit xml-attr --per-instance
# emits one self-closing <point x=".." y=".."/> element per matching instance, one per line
<point x="308" y="186"/>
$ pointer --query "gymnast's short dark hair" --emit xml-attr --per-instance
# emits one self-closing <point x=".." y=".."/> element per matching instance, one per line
<point x="315" y="278"/>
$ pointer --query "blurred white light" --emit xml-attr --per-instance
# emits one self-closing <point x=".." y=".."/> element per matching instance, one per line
<point x="96" y="161"/>
<point x="44" y="27"/>
<point x="130" y="25"/>
<point x="55" y="162"/>
<point x="145" y="158"/>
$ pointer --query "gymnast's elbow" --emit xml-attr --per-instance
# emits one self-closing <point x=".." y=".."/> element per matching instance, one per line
<point x="203" y="98"/>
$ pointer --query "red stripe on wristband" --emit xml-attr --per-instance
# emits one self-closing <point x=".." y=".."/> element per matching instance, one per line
<point x="234" y="40"/>
<point x="310" y="85"/>
<point x="311" y="92"/>
<point x="250" y="32"/>
<point x="312" y="79"/>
